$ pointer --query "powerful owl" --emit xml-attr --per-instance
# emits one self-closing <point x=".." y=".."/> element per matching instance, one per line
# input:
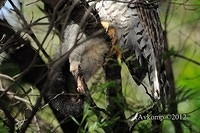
<point x="135" y="29"/>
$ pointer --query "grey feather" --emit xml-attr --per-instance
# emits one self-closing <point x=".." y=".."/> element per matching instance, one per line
<point x="139" y="32"/>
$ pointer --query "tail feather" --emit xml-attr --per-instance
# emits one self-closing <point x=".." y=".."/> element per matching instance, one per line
<point x="152" y="46"/>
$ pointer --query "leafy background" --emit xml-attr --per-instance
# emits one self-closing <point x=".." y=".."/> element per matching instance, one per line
<point x="184" y="39"/>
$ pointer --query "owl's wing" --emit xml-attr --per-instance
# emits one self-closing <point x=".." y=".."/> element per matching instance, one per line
<point x="139" y="31"/>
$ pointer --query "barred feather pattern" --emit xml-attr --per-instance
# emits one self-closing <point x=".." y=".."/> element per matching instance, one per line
<point x="139" y="31"/>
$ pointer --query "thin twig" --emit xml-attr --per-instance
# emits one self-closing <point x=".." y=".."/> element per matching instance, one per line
<point x="13" y="95"/>
<point x="30" y="32"/>
<point x="188" y="59"/>
<point x="52" y="21"/>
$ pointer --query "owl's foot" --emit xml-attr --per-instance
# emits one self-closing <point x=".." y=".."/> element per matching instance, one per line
<point x="111" y="31"/>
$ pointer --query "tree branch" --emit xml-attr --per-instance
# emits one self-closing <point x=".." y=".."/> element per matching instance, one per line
<point x="188" y="59"/>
